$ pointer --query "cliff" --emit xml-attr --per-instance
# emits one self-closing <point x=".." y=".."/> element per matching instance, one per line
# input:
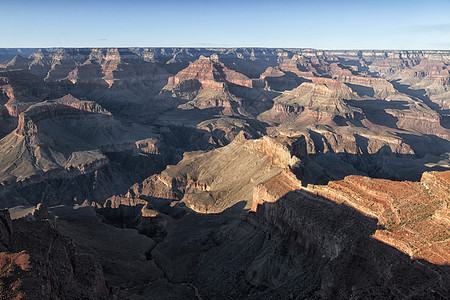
<point x="213" y="181"/>
<point x="40" y="262"/>
<point x="413" y="215"/>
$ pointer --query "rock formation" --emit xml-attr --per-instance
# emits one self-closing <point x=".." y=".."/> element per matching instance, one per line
<point x="39" y="262"/>
<point x="214" y="181"/>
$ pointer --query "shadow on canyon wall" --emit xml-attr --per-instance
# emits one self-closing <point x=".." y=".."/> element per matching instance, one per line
<point x="351" y="262"/>
<point x="302" y="246"/>
<point x="320" y="168"/>
<point x="362" y="90"/>
<point x="375" y="112"/>
<point x="419" y="94"/>
<point x="124" y="169"/>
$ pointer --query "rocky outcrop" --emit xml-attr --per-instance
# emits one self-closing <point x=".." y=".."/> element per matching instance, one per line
<point x="381" y="87"/>
<point x="282" y="152"/>
<point x="272" y="72"/>
<point x="315" y="220"/>
<point x="42" y="263"/>
<point x="413" y="215"/>
<point x="210" y="74"/>
<point x="112" y="59"/>
<point x="65" y="106"/>
<point x="422" y="122"/>
<point x="41" y="213"/>
<point x="296" y="65"/>
<point x="206" y="83"/>
<point x="83" y="105"/>
<point x="406" y="210"/>
<point x="21" y="87"/>
<point x="38" y="112"/>
<point x="275" y="188"/>
<point x="426" y="72"/>
<point x="318" y="102"/>
<point x="64" y="140"/>
<point x="6" y="229"/>
<point x="18" y="62"/>
<point x="206" y="183"/>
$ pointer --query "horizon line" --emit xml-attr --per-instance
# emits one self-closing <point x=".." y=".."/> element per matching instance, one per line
<point x="212" y="47"/>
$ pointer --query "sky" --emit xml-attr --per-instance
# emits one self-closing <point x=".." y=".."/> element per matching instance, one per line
<point x="319" y="24"/>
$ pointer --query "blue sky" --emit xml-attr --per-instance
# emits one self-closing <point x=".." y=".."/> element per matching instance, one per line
<point x="322" y="24"/>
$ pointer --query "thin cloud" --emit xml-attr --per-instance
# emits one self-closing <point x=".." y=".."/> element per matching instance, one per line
<point x="443" y="27"/>
<point x="210" y="45"/>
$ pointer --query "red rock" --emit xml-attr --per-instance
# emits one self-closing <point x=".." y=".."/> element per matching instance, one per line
<point x="414" y="220"/>
<point x="210" y="74"/>
<point x="40" y="262"/>
<point x="272" y="72"/>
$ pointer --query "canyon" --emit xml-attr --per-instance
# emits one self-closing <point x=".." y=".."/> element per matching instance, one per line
<point x="235" y="173"/>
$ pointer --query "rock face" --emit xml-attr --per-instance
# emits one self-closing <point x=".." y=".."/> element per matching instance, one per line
<point x="123" y="254"/>
<point x="327" y="228"/>
<point x="39" y="262"/>
<point x="214" y="181"/>
<point x="403" y="209"/>
<point x="64" y="139"/>
<point x="341" y="251"/>
<point x="309" y="217"/>
<point x="206" y="84"/>
<point x="297" y="242"/>
<point x="406" y="210"/>
<point x="209" y="73"/>
<point x="64" y="107"/>
<point x="6" y="229"/>
<point x="316" y="102"/>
